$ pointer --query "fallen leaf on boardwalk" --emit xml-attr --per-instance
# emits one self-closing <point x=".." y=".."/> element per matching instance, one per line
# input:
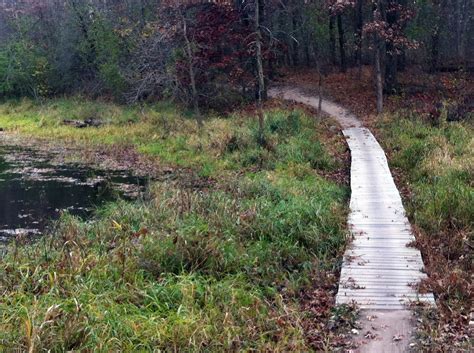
<point x="370" y="335"/>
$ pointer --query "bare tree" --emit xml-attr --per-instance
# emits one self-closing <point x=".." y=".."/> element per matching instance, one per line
<point x="342" y="49"/>
<point x="378" y="59"/>
<point x="191" y="69"/>
<point x="261" y="90"/>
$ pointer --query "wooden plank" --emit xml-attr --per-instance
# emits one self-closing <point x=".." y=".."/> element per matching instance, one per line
<point x="378" y="267"/>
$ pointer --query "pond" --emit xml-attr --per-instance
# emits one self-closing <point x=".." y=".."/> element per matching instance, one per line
<point x="34" y="190"/>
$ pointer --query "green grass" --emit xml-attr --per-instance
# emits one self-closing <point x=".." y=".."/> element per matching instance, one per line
<point x="438" y="165"/>
<point x="185" y="269"/>
<point x="162" y="131"/>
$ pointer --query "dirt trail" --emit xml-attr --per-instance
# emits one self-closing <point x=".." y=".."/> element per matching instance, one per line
<point x="379" y="269"/>
<point x="344" y="117"/>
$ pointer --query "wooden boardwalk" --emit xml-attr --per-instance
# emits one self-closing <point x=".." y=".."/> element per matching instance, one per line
<point x="379" y="267"/>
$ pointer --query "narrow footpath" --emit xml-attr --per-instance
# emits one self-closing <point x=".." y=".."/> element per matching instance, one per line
<point x="379" y="268"/>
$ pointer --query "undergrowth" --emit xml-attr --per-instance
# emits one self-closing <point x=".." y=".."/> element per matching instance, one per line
<point x="437" y="163"/>
<point x="183" y="269"/>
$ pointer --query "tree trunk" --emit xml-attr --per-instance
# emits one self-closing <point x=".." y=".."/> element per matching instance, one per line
<point x="85" y="31"/>
<point x="391" y="62"/>
<point x="142" y="15"/>
<point x="401" y="57"/>
<point x="378" y="78"/>
<point x="342" y="50"/>
<point x="391" y="69"/>
<point x="458" y="19"/>
<point x="465" y="19"/>
<point x="332" y="40"/>
<point x="359" y="27"/>
<point x="401" y="60"/>
<point x="307" y="53"/>
<point x="378" y="61"/>
<point x="296" y="47"/>
<point x="320" y="87"/>
<point x="192" y="73"/>
<point x="434" y="49"/>
<point x="261" y="93"/>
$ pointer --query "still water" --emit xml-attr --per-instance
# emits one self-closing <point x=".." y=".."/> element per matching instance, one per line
<point x="34" y="190"/>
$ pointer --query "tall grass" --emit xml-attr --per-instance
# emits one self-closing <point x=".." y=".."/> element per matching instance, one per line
<point x="438" y="165"/>
<point x="164" y="133"/>
<point x="186" y="269"/>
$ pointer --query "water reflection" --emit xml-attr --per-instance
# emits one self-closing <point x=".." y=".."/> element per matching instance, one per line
<point x="33" y="190"/>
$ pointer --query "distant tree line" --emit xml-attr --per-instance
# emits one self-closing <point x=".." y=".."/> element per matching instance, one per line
<point x="215" y="53"/>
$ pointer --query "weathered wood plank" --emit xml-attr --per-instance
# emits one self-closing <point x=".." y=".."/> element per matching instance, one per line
<point x="380" y="227"/>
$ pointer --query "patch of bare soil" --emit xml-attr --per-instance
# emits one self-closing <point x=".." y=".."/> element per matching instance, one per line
<point x="356" y="95"/>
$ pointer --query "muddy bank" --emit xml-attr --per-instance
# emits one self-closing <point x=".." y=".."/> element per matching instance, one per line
<point x="39" y="180"/>
<point x="37" y="185"/>
<point x="114" y="158"/>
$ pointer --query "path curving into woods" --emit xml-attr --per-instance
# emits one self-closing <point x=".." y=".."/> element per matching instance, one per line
<point x="379" y="269"/>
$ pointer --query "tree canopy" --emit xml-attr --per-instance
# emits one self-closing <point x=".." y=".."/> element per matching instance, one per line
<point x="204" y="53"/>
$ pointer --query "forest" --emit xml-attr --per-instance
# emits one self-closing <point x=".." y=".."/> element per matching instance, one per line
<point x="205" y="53"/>
<point x="236" y="120"/>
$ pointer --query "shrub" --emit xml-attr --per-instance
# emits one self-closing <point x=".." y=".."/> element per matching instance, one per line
<point x="24" y="70"/>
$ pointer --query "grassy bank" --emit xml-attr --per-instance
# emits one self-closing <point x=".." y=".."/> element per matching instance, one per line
<point x="171" y="136"/>
<point x="188" y="268"/>
<point x="436" y="165"/>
